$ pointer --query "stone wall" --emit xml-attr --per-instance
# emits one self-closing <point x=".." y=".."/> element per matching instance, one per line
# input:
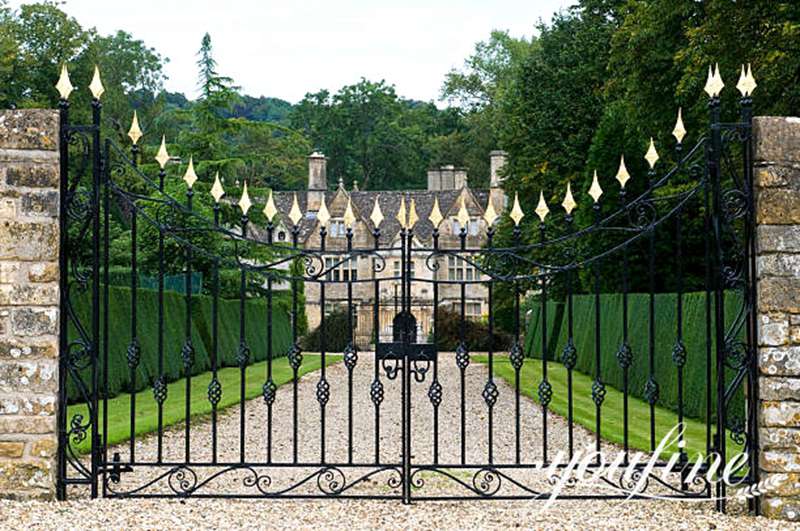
<point x="29" y="180"/>
<point x="777" y="180"/>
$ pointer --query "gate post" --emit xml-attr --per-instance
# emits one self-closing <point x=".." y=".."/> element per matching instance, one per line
<point x="777" y="196"/>
<point x="29" y="324"/>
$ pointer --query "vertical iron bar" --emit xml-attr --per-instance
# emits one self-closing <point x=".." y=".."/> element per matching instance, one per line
<point x="405" y="420"/>
<point x="436" y="386"/>
<point x="188" y="349"/>
<point x="63" y="287"/>
<point x="270" y="384"/>
<point x="463" y="346"/>
<point x="214" y="386"/>
<point x="569" y="358"/>
<point x="598" y="391"/>
<point x="679" y="352"/>
<point x="349" y="272"/>
<point x="544" y="391"/>
<point x="322" y="346"/>
<point x="244" y="354"/>
<point x="106" y="219"/>
<point x="295" y="349"/>
<point x="624" y="353"/>
<point x="651" y="311"/>
<point x="719" y="286"/>
<point x="376" y="332"/>
<point x="96" y="185"/>
<point x="490" y="383"/>
<point x="518" y="353"/>
<point x="159" y="387"/>
<point x="751" y="299"/>
<point x="134" y="350"/>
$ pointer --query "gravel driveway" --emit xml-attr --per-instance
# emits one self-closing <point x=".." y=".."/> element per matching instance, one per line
<point x="215" y="513"/>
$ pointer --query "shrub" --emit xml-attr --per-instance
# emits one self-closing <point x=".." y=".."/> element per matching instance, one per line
<point x="337" y="334"/>
<point x="476" y="333"/>
<point x="119" y="377"/>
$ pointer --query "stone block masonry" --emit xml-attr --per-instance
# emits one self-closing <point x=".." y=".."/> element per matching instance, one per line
<point x="777" y="189"/>
<point x="29" y="246"/>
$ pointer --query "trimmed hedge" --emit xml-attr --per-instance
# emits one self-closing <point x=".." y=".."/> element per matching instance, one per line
<point x="611" y="333"/>
<point x="174" y="335"/>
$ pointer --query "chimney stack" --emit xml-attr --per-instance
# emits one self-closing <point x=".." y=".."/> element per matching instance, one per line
<point x="317" y="179"/>
<point x="497" y="161"/>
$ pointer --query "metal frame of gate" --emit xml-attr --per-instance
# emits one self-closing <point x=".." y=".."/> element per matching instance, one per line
<point x="719" y="173"/>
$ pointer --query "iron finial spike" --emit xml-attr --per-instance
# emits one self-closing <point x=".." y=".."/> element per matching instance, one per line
<point x="516" y="213"/>
<point x="652" y="155"/>
<point x="569" y="203"/>
<point x="216" y="189"/>
<point x="542" y="209"/>
<point x="135" y="132"/>
<point x="190" y="177"/>
<point x="244" y="201"/>
<point x="595" y="191"/>
<point x="96" y="86"/>
<point x="377" y="216"/>
<point x="679" y="131"/>
<point x="162" y="157"/>
<point x="269" y="208"/>
<point x="64" y="85"/>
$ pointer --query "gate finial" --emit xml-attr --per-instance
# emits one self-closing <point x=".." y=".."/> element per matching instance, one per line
<point x="96" y="86"/>
<point x="216" y="189"/>
<point x="516" y="211"/>
<point x="64" y="85"/>
<point x="652" y="155"/>
<point x="569" y="203"/>
<point x="679" y="131"/>
<point x="135" y="132"/>
<point x="747" y="83"/>
<point x="595" y="191"/>
<point x="542" y="209"/>
<point x="622" y="174"/>
<point x="269" y="208"/>
<point x="190" y="177"/>
<point x="162" y="157"/>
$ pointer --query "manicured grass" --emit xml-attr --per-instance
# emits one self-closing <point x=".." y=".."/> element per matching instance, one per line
<point x="611" y="415"/>
<point x="175" y="405"/>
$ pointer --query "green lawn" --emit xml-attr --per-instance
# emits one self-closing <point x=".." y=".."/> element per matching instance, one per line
<point x="174" y="406"/>
<point x="611" y="412"/>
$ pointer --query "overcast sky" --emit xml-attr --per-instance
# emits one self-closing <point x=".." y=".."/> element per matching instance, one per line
<point x="287" y="48"/>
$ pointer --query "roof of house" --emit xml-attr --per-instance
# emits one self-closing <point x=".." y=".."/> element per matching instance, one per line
<point x="363" y="203"/>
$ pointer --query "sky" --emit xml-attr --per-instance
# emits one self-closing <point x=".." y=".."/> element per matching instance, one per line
<point x="288" y="48"/>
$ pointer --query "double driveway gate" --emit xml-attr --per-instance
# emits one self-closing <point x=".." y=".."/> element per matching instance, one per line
<point x="621" y="317"/>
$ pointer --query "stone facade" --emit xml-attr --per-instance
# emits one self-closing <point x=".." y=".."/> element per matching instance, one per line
<point x="29" y="244"/>
<point x="449" y="187"/>
<point x="777" y="181"/>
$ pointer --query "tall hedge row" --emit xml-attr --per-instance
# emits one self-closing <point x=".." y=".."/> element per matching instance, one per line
<point x="119" y="323"/>
<point x="611" y="335"/>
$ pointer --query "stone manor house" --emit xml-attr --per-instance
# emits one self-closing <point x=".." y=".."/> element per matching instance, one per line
<point x="448" y="185"/>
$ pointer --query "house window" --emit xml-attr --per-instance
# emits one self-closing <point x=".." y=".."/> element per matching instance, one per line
<point x="459" y="269"/>
<point x="340" y="270"/>
<point x="473" y="309"/>
<point x="337" y="229"/>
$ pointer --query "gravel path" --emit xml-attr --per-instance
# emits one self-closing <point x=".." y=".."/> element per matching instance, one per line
<point x="217" y="513"/>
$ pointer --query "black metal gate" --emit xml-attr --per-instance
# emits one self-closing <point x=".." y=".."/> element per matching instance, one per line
<point x="476" y="440"/>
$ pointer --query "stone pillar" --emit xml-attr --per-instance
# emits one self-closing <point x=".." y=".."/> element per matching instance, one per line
<point x="777" y="189"/>
<point x="29" y="229"/>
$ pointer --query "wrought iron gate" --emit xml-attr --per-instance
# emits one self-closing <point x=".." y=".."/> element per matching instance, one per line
<point x="483" y="440"/>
